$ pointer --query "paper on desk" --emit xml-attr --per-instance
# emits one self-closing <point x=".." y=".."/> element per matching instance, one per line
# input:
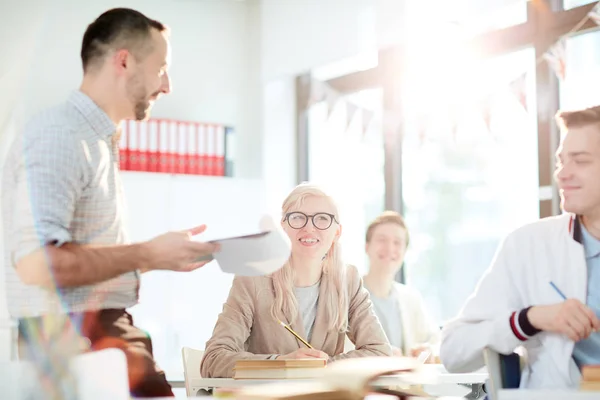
<point x="253" y="255"/>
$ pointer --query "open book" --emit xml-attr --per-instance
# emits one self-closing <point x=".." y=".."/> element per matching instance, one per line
<point x="309" y="368"/>
<point x="345" y="379"/>
<point x="590" y="378"/>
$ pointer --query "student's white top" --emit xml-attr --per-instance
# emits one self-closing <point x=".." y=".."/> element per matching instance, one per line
<point x="526" y="262"/>
<point x="417" y="328"/>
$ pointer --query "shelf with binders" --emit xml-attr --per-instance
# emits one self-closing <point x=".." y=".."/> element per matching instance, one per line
<point x="176" y="147"/>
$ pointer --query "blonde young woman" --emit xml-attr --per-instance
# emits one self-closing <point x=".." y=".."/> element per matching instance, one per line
<point x="314" y="293"/>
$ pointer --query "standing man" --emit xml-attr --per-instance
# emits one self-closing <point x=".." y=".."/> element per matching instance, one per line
<point x="542" y="290"/>
<point x="399" y="307"/>
<point x="70" y="272"/>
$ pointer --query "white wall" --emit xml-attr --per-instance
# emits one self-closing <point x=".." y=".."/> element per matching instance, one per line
<point x="298" y="35"/>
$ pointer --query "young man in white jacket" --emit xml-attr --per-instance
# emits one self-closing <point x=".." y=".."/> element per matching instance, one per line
<point x="400" y="308"/>
<point x="542" y="290"/>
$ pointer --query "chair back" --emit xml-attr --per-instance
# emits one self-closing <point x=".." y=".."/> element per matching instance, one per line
<point x="191" y="368"/>
<point x="504" y="372"/>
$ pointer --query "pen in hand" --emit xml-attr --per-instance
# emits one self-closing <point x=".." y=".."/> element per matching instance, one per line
<point x="290" y="330"/>
<point x="560" y="293"/>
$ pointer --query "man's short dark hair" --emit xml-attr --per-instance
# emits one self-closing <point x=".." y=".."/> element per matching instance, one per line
<point x="119" y="28"/>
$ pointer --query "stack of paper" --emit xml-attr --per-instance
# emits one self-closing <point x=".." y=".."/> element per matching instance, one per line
<point x="590" y="378"/>
<point x="279" y="369"/>
<point x="349" y="379"/>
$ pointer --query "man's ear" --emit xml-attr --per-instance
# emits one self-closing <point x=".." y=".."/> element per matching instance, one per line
<point x="121" y="60"/>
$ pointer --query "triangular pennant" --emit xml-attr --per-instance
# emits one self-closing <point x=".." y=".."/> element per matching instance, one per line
<point x="367" y="117"/>
<point x="318" y="91"/>
<point x="486" y="113"/>
<point x="421" y="125"/>
<point x="556" y="57"/>
<point x="350" y="111"/>
<point x="454" y="120"/>
<point x="331" y="98"/>
<point x="595" y="14"/>
<point x="518" y="88"/>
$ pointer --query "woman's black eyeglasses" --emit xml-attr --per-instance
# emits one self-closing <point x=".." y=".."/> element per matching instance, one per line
<point x="298" y="220"/>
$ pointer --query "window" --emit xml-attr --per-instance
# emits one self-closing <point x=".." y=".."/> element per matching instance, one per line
<point x="346" y="158"/>
<point x="581" y="87"/>
<point x="568" y="4"/>
<point x="471" y="16"/>
<point x="456" y="172"/>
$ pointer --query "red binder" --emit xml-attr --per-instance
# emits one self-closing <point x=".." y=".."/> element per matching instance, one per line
<point x="219" y="159"/>
<point x="192" y="149"/>
<point x="202" y="139"/>
<point x="123" y="148"/>
<point x="163" y="145"/>
<point x="152" y="145"/>
<point x="210" y="150"/>
<point x="173" y="142"/>
<point x="143" y="135"/>
<point x="134" y="145"/>
<point x="181" y="152"/>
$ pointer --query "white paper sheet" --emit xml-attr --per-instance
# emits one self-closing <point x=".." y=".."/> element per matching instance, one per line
<point x="253" y="255"/>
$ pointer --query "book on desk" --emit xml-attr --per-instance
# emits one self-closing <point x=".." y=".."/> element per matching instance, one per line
<point x="279" y="369"/>
<point x="344" y="379"/>
<point x="590" y="378"/>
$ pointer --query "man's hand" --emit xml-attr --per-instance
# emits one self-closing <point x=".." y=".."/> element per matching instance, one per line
<point x="175" y="251"/>
<point x="571" y="318"/>
<point x="304" y="353"/>
<point x="396" y="352"/>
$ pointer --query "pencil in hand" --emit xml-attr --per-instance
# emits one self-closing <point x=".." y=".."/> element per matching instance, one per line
<point x="290" y="330"/>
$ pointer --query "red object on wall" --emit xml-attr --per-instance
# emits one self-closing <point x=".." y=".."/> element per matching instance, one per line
<point x="163" y="146"/>
<point x="202" y="138"/>
<point x="210" y="150"/>
<point x="152" y="145"/>
<point x="143" y="136"/>
<point x="192" y="149"/>
<point x="219" y="159"/>
<point x="181" y="151"/>
<point x="123" y="148"/>
<point x="134" y="145"/>
<point x="172" y="154"/>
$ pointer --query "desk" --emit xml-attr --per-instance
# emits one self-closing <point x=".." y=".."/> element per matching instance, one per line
<point x="530" y="394"/>
<point x="434" y="379"/>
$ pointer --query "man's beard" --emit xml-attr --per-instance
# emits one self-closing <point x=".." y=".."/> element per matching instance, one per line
<point x="139" y="98"/>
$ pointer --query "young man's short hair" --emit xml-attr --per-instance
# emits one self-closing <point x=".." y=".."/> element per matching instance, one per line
<point x="118" y="28"/>
<point x="578" y="118"/>
<point x="387" y="217"/>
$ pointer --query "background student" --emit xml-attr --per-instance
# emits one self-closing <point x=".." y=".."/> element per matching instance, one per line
<point x="400" y="308"/>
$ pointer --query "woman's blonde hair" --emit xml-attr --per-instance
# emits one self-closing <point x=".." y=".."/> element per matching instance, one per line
<point x="334" y="271"/>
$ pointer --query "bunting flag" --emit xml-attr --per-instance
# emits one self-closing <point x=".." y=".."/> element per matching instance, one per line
<point x="556" y="58"/>
<point x="367" y="117"/>
<point x="595" y="14"/>
<point x="518" y="88"/>
<point x="350" y="112"/>
<point x="486" y="112"/>
<point x="318" y="92"/>
<point x="422" y="129"/>
<point x="331" y="98"/>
